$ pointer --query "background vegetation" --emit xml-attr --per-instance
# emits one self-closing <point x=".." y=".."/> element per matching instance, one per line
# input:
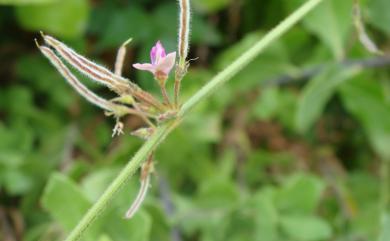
<point x="295" y="148"/>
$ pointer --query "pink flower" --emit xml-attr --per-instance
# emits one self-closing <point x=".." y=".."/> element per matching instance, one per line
<point x="161" y="63"/>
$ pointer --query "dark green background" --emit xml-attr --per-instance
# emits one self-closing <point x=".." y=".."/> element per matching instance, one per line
<point x="291" y="149"/>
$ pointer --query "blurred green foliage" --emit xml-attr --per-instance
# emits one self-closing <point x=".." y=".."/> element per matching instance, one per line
<point x="291" y="149"/>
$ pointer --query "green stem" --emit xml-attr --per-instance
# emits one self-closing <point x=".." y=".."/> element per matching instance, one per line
<point x="248" y="56"/>
<point x="163" y="130"/>
<point x="159" y="135"/>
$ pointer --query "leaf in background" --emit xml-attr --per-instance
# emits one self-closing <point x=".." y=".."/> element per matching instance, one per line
<point x="277" y="103"/>
<point x="25" y="2"/>
<point x="44" y="81"/>
<point x="104" y="238"/>
<point x="318" y="92"/>
<point x="122" y="24"/>
<point x="217" y="194"/>
<point x="204" y="33"/>
<point x="192" y="162"/>
<point x="331" y="22"/>
<point x="62" y="18"/>
<point x="385" y="234"/>
<point x="364" y="191"/>
<point x="18" y="101"/>
<point x="120" y="229"/>
<point x="378" y="14"/>
<point x="267" y="104"/>
<point x="210" y="6"/>
<point x="205" y="127"/>
<point x="300" y="194"/>
<point x="15" y="181"/>
<point x="365" y="99"/>
<point x="266" y="215"/>
<point x="306" y="228"/>
<point x="64" y="200"/>
<point x="272" y="62"/>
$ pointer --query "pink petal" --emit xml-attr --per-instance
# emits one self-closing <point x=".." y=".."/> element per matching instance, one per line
<point x="166" y="63"/>
<point x="153" y="55"/>
<point x="157" y="53"/>
<point x="160" y="50"/>
<point x="147" y="67"/>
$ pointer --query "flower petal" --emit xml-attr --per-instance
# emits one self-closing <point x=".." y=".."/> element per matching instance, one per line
<point x="147" y="67"/>
<point x="157" y="53"/>
<point x="166" y="64"/>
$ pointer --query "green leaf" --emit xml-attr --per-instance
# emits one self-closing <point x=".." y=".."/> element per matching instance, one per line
<point x="25" y="2"/>
<point x="306" y="228"/>
<point x="331" y="22"/>
<point x="61" y="18"/>
<point x="218" y="193"/>
<point x="378" y="14"/>
<point x="272" y="62"/>
<point x="210" y="5"/>
<point x="362" y="193"/>
<point x="120" y="229"/>
<point x="104" y="238"/>
<point x="114" y="33"/>
<point x="16" y="182"/>
<point x="277" y="103"/>
<point x="300" y="194"/>
<point x="205" y="127"/>
<point x="268" y="103"/>
<point x="385" y="234"/>
<point x="317" y="93"/>
<point x="266" y="215"/>
<point x="366" y="100"/>
<point x="64" y="200"/>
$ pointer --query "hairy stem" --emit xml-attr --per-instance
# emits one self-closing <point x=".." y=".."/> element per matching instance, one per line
<point x="165" y="95"/>
<point x="177" y="92"/>
<point x="184" y="31"/>
<point x="120" y="180"/>
<point x="163" y="130"/>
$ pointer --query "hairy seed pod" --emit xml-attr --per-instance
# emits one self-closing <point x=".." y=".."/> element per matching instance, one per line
<point x="184" y="30"/>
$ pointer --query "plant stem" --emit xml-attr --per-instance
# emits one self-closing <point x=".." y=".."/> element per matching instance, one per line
<point x="163" y="130"/>
<point x="177" y="92"/>
<point x="159" y="135"/>
<point x="165" y="95"/>
<point x="180" y="72"/>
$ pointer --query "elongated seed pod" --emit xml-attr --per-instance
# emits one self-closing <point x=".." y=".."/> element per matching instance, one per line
<point x="92" y="70"/>
<point x="120" y="58"/>
<point x="100" y="74"/>
<point x="120" y="85"/>
<point x="74" y="82"/>
<point x="140" y="197"/>
<point x="184" y="29"/>
<point x="117" y="110"/>
<point x="364" y="39"/>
